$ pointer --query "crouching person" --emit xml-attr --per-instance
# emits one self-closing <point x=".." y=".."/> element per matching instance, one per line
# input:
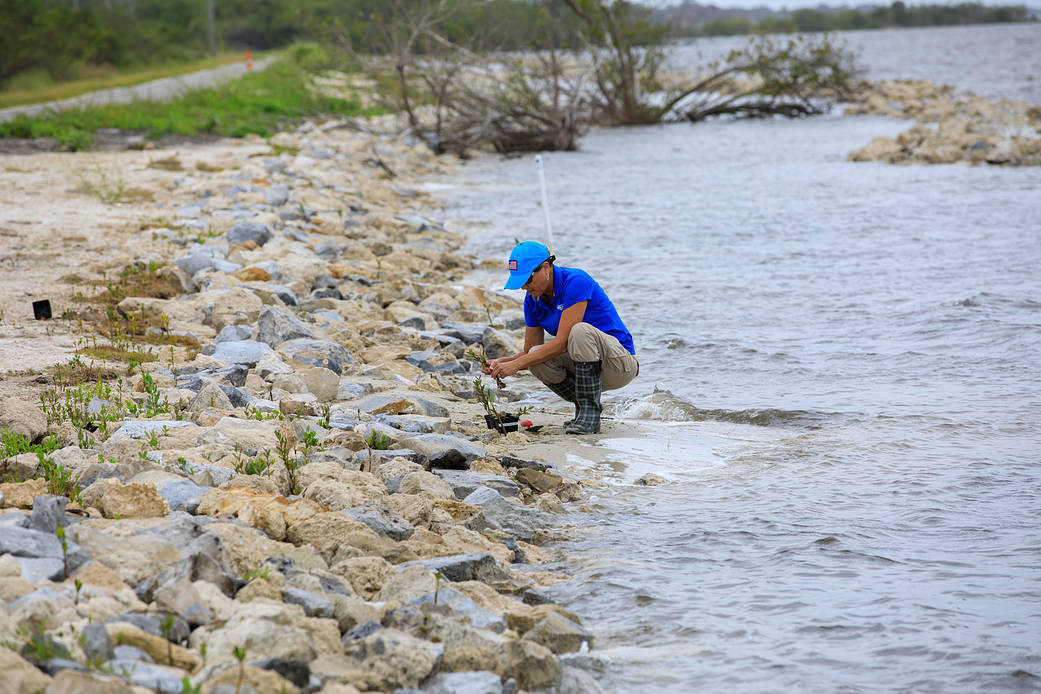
<point x="590" y="351"/>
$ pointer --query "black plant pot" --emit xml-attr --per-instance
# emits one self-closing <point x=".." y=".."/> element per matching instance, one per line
<point x="509" y="422"/>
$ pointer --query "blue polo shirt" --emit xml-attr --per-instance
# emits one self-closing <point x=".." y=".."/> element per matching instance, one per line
<point x="571" y="286"/>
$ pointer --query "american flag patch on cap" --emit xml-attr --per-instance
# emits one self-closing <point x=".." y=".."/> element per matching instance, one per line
<point x="513" y="265"/>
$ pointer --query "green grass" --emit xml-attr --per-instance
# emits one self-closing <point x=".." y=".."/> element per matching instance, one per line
<point x="258" y="103"/>
<point x="38" y="89"/>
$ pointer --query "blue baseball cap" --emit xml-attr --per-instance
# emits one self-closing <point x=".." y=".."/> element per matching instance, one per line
<point x="526" y="256"/>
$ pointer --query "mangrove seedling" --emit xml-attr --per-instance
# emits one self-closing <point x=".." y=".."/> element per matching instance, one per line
<point x="60" y="532"/>
<point x="240" y="655"/>
<point x="480" y="357"/>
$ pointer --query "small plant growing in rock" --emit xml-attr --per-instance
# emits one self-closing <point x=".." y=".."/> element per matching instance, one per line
<point x="285" y="452"/>
<point x="165" y="627"/>
<point x="326" y="415"/>
<point x="60" y="532"/>
<point x="79" y="586"/>
<point x="60" y="481"/>
<point x="377" y="441"/>
<point x="240" y="655"/>
<point x="187" y="688"/>
<point x="202" y="652"/>
<point x="262" y="571"/>
<point x="437" y="584"/>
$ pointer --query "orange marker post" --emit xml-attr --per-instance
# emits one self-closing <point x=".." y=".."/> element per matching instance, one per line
<point x="249" y="60"/>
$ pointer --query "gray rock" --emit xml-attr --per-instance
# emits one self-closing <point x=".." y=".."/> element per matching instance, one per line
<point x="226" y="266"/>
<point x="55" y="665"/>
<point x="465" y="482"/>
<point x="277" y="196"/>
<point x="35" y="570"/>
<point x="234" y="333"/>
<point x="443" y="451"/>
<point x="196" y="261"/>
<point x="153" y="624"/>
<point x="383" y="521"/>
<point x="249" y="231"/>
<point x="96" y="471"/>
<point x="413" y="404"/>
<point x="482" y="682"/>
<point x="156" y="678"/>
<point x="204" y="560"/>
<point x="183" y="495"/>
<point x="510" y="461"/>
<point x="520" y="521"/>
<point x="48" y="513"/>
<point x="97" y="645"/>
<point x="421" y="359"/>
<point x="237" y="396"/>
<point x="465" y="607"/>
<point x="241" y="351"/>
<point x="131" y="653"/>
<point x="314" y="605"/>
<point x="417" y="423"/>
<point x="143" y="429"/>
<point x="464" y="567"/>
<point x="497" y="344"/>
<point x="296" y="671"/>
<point x="470" y="333"/>
<point x="40" y="552"/>
<point x="276" y="325"/>
<point x="317" y="353"/>
<point x="352" y="391"/>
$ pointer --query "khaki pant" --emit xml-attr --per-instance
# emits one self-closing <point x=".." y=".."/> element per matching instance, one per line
<point x="586" y="343"/>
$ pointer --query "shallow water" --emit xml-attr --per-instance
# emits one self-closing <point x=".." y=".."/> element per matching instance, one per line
<point x="848" y="406"/>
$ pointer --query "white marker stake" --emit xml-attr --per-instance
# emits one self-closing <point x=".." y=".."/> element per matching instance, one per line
<point x="545" y="203"/>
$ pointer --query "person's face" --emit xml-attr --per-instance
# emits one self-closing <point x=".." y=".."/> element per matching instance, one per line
<point x="539" y="281"/>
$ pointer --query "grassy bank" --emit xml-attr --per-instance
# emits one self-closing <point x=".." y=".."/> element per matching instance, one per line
<point x="258" y="103"/>
<point x="29" y="91"/>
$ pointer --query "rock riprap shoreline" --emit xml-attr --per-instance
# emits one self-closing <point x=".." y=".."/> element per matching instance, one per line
<point x="299" y="494"/>
<point x="952" y="127"/>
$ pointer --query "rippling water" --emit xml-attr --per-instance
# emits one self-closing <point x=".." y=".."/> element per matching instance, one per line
<point x="840" y="379"/>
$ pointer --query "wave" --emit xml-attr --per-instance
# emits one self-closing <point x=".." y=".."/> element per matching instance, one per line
<point x="663" y="406"/>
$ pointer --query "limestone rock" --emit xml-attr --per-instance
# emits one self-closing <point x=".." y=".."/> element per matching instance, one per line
<point x="210" y="395"/>
<point x="366" y="575"/>
<point x="520" y="521"/>
<point x="133" y="501"/>
<point x="267" y="512"/>
<point x="394" y="659"/>
<point x="21" y="494"/>
<point x="19" y="676"/>
<point x="426" y="484"/>
<point x="323" y="353"/>
<point x="23" y="417"/>
<point x="559" y="634"/>
<point x="533" y="666"/>
<point x="234" y="306"/>
<point x="158" y="648"/>
<point x="276" y="325"/>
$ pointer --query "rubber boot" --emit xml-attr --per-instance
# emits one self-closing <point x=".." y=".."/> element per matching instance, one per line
<point x="588" y="387"/>
<point x="566" y="390"/>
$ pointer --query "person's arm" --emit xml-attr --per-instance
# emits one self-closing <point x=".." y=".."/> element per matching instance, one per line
<point x="569" y="318"/>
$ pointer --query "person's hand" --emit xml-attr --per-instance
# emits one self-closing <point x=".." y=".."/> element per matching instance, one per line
<point x="501" y="370"/>
<point x="489" y="366"/>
